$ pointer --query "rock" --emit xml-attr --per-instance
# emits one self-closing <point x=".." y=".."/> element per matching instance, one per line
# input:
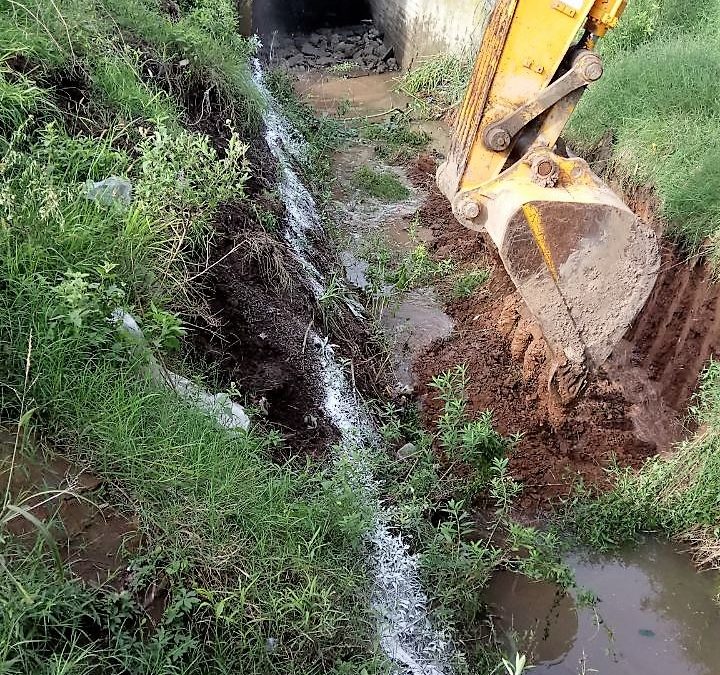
<point x="315" y="38"/>
<point x="382" y="67"/>
<point x="296" y="60"/>
<point x="326" y="61"/>
<point x="309" y="50"/>
<point x="407" y="451"/>
<point x="347" y="50"/>
<point x="392" y="63"/>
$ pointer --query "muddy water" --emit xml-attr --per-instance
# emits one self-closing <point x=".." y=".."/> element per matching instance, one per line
<point x="371" y="95"/>
<point x="655" y="616"/>
<point x="412" y="325"/>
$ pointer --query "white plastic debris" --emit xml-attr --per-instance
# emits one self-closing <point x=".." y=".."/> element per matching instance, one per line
<point x="228" y="414"/>
<point x="110" y="190"/>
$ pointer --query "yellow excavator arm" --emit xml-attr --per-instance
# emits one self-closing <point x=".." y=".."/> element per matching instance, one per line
<point x="582" y="261"/>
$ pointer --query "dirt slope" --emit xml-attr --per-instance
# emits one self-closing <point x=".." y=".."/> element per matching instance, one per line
<point x="632" y="410"/>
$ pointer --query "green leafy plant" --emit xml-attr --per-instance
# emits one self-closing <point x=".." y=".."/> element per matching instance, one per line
<point x="417" y="268"/>
<point x="395" y="140"/>
<point x="438" y="83"/>
<point x="382" y="185"/>
<point x="468" y="282"/>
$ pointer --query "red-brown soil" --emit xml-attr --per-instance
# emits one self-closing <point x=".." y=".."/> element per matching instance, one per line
<point x="631" y="410"/>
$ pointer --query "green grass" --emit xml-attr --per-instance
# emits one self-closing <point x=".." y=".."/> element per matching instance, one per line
<point x="394" y="139"/>
<point x="432" y="503"/>
<point x="261" y="561"/>
<point x="468" y="282"/>
<point x="658" y="98"/>
<point x="437" y="84"/>
<point x="417" y="268"/>
<point x="323" y="135"/>
<point x="383" y="185"/>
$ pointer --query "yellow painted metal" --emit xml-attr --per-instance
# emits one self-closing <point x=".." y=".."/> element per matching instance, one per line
<point x="604" y="15"/>
<point x="537" y="227"/>
<point x="541" y="34"/>
<point x="581" y="260"/>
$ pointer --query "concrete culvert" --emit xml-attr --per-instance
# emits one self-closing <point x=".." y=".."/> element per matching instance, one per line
<point x="302" y="16"/>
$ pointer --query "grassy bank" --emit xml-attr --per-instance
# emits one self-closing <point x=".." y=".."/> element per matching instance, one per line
<point x="258" y="562"/>
<point x="675" y="495"/>
<point x="658" y="101"/>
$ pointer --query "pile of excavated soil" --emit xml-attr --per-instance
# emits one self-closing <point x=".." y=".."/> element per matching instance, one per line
<point x="631" y="410"/>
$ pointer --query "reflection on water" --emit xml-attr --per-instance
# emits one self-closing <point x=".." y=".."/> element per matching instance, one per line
<point x="655" y="616"/>
<point x="413" y="324"/>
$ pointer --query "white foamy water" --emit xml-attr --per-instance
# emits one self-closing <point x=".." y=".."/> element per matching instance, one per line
<point x="406" y="634"/>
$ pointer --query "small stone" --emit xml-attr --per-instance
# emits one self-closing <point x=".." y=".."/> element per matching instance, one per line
<point x="296" y="60"/>
<point x="386" y="52"/>
<point x="309" y="50"/>
<point x="407" y="451"/>
<point x="315" y="39"/>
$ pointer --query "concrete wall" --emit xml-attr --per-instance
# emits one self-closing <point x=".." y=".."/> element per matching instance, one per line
<point x="424" y="27"/>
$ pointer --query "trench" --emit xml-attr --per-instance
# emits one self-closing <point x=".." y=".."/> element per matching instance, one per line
<point x="652" y="612"/>
<point x="404" y="629"/>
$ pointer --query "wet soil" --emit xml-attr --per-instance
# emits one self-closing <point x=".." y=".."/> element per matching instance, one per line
<point x="634" y="408"/>
<point x="257" y="312"/>
<point x="253" y="334"/>
<point x="95" y="541"/>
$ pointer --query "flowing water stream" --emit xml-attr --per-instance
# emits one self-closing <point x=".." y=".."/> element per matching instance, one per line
<point x="404" y="629"/>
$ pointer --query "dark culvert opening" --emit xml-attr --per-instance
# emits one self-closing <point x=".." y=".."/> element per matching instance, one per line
<point x="302" y="16"/>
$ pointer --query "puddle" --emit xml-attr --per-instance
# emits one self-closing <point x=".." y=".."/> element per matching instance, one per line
<point x="412" y="325"/>
<point x="93" y="538"/>
<point x="655" y="616"/>
<point x="370" y="95"/>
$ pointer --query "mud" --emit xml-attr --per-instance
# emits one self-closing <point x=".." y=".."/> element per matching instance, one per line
<point x="632" y="409"/>
<point x="412" y="325"/>
<point x="258" y="312"/>
<point x="253" y="334"/>
<point x="95" y="541"/>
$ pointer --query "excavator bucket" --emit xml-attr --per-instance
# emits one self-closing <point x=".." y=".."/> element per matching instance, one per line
<point x="580" y="258"/>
